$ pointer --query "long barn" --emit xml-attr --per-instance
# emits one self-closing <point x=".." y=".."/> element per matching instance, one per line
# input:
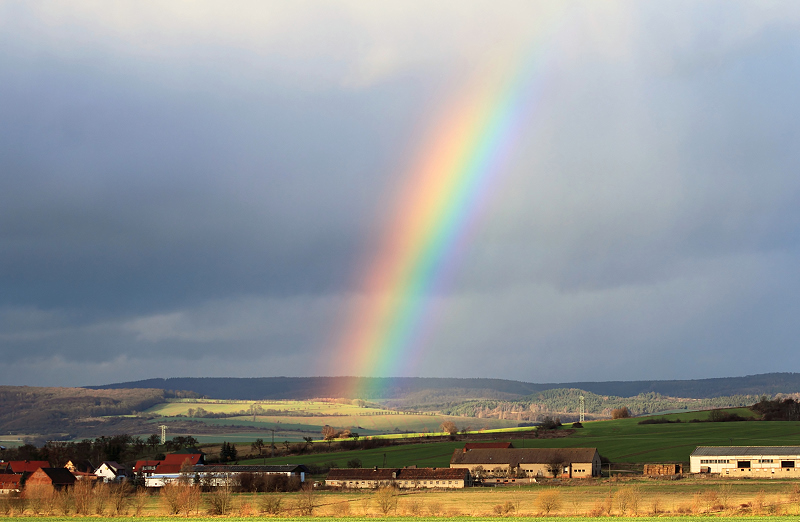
<point x="747" y="461"/>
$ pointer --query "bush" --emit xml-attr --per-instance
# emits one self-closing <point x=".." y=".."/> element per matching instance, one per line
<point x="503" y="509"/>
<point x="386" y="499"/>
<point x="548" y="501"/>
<point x="620" y="413"/>
<point x="271" y="504"/>
<point x="306" y="501"/>
<point x="550" y="423"/>
<point x="220" y="501"/>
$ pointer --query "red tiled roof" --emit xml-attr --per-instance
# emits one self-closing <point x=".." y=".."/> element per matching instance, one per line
<point x="27" y="466"/>
<point x="142" y="463"/>
<point x="9" y="479"/>
<point x="180" y="458"/>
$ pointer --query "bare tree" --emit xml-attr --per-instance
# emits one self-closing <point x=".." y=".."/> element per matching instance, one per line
<point x="306" y="500"/>
<point x="386" y="499"/>
<point x="449" y="427"/>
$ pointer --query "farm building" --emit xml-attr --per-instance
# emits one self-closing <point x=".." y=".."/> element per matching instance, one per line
<point x="81" y="466"/>
<point x="404" y="478"/>
<point x="219" y="475"/>
<point x="222" y="475"/>
<point x="530" y="462"/>
<point x="154" y="471"/>
<point x="26" y="466"/>
<point x="9" y="483"/>
<point x="57" y="478"/>
<point x="747" y="461"/>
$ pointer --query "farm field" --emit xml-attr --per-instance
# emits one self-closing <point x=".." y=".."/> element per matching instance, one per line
<point x="620" y="441"/>
<point x="306" y="418"/>
<point x="569" y="500"/>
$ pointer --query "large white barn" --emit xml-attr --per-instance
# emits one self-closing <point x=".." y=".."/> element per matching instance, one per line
<point x="747" y="461"/>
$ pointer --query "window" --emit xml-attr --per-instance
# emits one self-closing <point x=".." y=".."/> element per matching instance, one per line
<point x="743" y="464"/>
<point x="787" y="463"/>
<point x="765" y="461"/>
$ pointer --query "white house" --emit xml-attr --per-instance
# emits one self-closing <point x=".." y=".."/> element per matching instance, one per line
<point x="110" y="471"/>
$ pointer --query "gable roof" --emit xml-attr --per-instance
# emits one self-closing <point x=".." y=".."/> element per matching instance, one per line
<point x="113" y="466"/>
<point x="57" y="476"/>
<point x="80" y="465"/>
<point x="745" y="451"/>
<point x="9" y="479"/>
<point x="516" y="456"/>
<point x="27" y="466"/>
<point x="145" y="463"/>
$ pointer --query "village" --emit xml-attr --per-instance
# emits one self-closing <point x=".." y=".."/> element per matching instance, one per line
<point x="476" y="464"/>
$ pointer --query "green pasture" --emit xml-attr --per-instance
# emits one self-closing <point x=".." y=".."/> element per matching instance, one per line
<point x="433" y="454"/>
<point x="622" y="440"/>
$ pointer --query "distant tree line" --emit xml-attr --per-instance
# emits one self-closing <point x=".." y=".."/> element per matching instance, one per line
<point x="118" y="448"/>
<point x="567" y="400"/>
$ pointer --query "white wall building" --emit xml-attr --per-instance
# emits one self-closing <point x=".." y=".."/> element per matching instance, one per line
<point x="747" y="461"/>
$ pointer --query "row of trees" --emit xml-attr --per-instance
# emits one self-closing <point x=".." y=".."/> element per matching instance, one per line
<point x="119" y="448"/>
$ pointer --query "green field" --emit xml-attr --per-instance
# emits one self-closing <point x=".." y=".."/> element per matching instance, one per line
<point x="620" y="441"/>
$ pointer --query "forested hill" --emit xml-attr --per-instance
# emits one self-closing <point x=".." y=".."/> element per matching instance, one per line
<point x="394" y="388"/>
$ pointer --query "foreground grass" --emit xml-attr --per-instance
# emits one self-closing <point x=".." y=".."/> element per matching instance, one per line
<point x="578" y="499"/>
<point x="681" y="518"/>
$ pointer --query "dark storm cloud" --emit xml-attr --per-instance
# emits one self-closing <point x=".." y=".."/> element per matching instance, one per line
<point x="196" y="189"/>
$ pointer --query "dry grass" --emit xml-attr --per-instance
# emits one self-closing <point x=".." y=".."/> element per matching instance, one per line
<point x="578" y="498"/>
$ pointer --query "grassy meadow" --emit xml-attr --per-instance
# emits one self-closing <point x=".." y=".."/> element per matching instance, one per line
<point x="578" y="499"/>
<point x="620" y="441"/>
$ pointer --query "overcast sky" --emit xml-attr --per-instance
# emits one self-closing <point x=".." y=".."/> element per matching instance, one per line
<point x="191" y="188"/>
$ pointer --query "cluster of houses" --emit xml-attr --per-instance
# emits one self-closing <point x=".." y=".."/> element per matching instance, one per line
<point x="15" y="473"/>
<point x="486" y="463"/>
<point x="190" y="463"/>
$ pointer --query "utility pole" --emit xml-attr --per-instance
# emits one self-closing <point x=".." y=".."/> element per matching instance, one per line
<point x="272" y="446"/>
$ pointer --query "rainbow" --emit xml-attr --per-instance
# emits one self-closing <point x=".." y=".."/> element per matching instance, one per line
<point x="448" y="186"/>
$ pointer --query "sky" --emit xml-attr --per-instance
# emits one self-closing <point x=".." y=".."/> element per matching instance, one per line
<point x="192" y="189"/>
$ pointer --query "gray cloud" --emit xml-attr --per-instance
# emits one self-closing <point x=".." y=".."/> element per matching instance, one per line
<point x="194" y="189"/>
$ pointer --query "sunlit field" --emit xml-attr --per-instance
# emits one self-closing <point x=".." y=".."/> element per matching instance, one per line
<point x="568" y="500"/>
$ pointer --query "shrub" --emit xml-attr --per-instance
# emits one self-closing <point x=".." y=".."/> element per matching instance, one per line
<point x="550" y="423"/>
<point x="220" y="501"/>
<point x="620" y="413"/>
<point x="506" y="508"/>
<point x="548" y="501"/>
<point x="306" y="501"/>
<point x="271" y="504"/>
<point x="386" y="499"/>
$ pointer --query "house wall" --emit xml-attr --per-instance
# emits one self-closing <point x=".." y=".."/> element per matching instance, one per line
<point x="105" y="473"/>
<point x="574" y="469"/>
<point x="783" y="466"/>
<point x="402" y="484"/>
